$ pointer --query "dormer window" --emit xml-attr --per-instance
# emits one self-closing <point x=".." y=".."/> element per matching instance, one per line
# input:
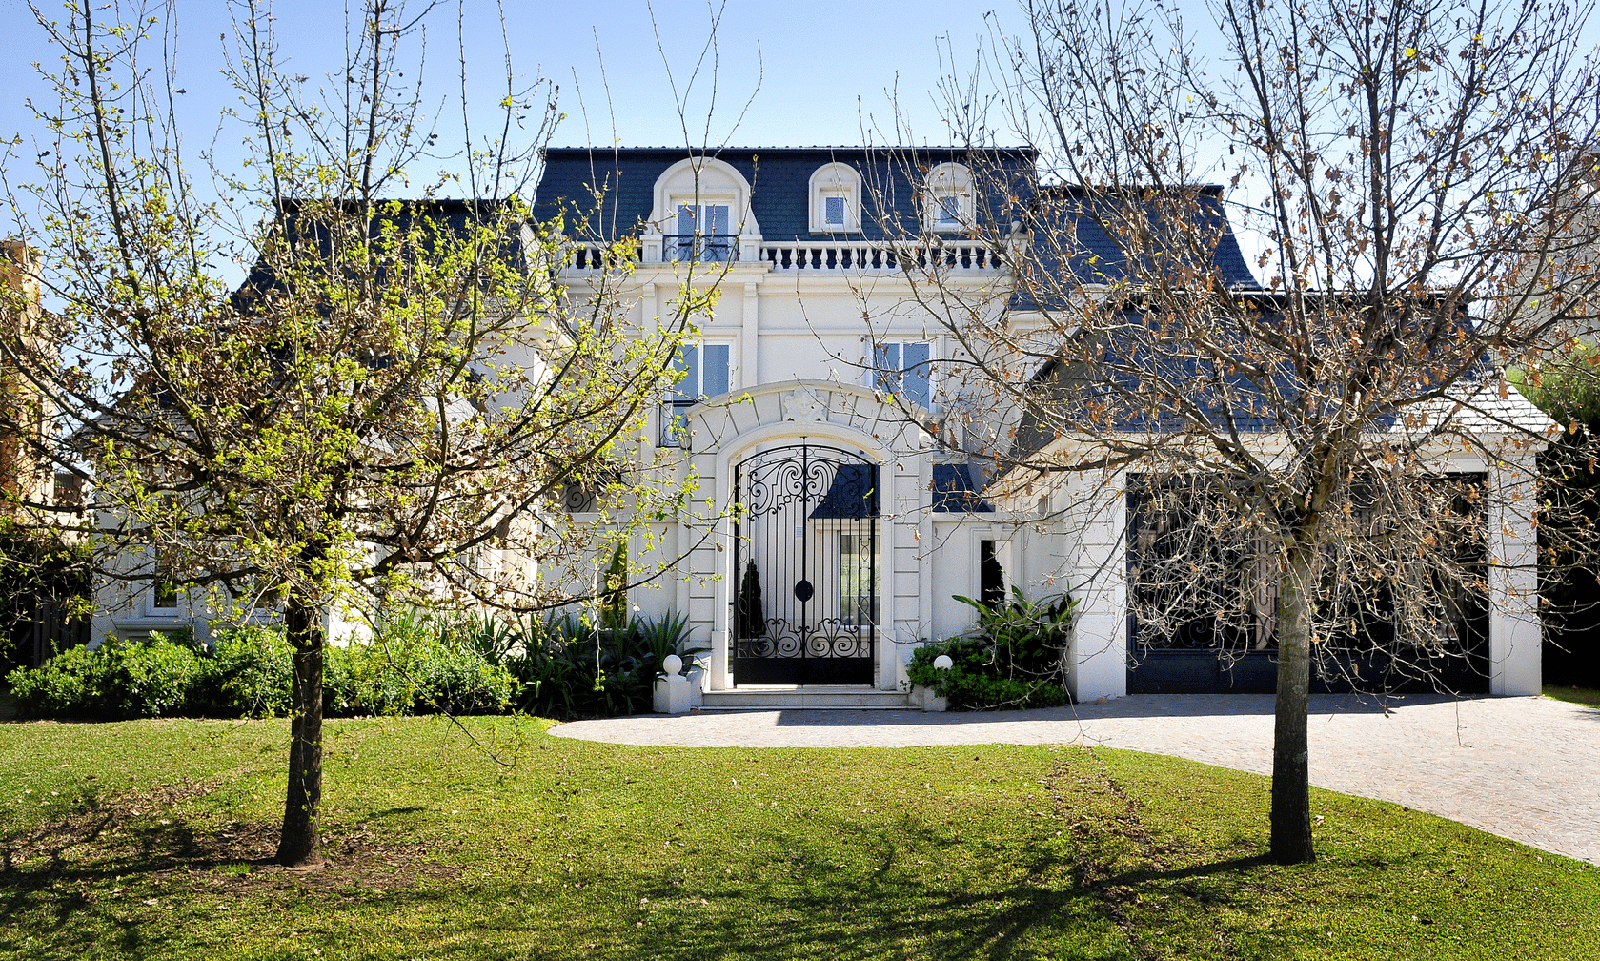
<point x="702" y="212"/>
<point x="948" y="203"/>
<point x="703" y="234"/>
<point x="835" y="199"/>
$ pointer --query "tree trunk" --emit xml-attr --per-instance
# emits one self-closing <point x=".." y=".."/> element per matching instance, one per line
<point x="297" y="846"/>
<point x="1291" y="797"/>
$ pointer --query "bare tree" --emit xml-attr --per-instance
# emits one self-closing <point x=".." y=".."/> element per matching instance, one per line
<point x="394" y="405"/>
<point x="1317" y="447"/>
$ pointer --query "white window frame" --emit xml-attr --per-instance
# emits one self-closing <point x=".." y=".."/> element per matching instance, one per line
<point x="673" y="421"/>
<point x="702" y="203"/>
<point x="153" y="609"/>
<point x="948" y="190"/>
<point x="881" y="377"/>
<point x="835" y="180"/>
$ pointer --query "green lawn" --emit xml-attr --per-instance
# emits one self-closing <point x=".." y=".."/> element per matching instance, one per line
<point x="151" y="839"/>
<point x="1587" y="696"/>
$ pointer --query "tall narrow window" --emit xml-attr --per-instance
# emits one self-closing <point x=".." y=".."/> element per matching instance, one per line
<point x="857" y="599"/>
<point x="705" y="369"/>
<point x="991" y="576"/>
<point x="702" y="234"/>
<point x="902" y="369"/>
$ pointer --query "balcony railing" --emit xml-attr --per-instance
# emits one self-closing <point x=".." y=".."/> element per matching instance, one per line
<point x="674" y="421"/>
<point x="838" y="256"/>
<point x="590" y="258"/>
<point x="859" y="256"/>
<point x="701" y="248"/>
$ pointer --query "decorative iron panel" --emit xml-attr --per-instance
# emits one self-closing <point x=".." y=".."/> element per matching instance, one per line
<point x="805" y="585"/>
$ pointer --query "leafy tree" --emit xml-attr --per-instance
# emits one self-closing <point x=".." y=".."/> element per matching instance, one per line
<point x="388" y="410"/>
<point x="1283" y="427"/>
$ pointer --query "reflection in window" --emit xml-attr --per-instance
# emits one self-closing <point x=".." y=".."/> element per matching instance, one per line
<point x="706" y="373"/>
<point x="702" y="235"/>
<point x="903" y="369"/>
<point x="857" y="599"/>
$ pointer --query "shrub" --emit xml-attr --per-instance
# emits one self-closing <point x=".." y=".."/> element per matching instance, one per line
<point x="252" y="674"/>
<point x="410" y="668"/>
<point x="1016" y="658"/>
<point x="115" y="681"/>
<point x="414" y="665"/>
<point x="566" y="666"/>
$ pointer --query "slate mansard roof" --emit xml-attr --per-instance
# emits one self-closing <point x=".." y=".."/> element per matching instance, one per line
<point x="779" y="178"/>
<point x="1074" y="223"/>
<point x="1066" y="222"/>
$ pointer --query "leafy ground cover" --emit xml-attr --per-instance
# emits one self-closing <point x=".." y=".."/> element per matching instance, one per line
<point x="151" y="839"/>
<point x="1573" y="695"/>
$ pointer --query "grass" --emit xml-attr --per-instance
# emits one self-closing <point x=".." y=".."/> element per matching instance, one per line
<point x="152" y="839"/>
<point x="1586" y="696"/>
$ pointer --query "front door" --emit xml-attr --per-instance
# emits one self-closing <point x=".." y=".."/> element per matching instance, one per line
<point x="805" y="576"/>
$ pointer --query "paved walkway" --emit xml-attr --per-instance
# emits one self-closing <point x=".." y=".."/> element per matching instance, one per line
<point x="1525" y="768"/>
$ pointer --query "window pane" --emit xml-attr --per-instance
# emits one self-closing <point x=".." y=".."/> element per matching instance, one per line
<point x="716" y="220"/>
<point x="915" y="360"/>
<point x="689" y="362"/>
<point x="886" y="363"/>
<point x="716" y="369"/>
<point x="856" y="595"/>
<point x="683" y="243"/>
<point x="833" y="211"/>
<point x="166" y="594"/>
<point x="949" y="210"/>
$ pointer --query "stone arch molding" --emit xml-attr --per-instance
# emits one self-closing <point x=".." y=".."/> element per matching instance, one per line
<point x="703" y="180"/>
<point x="737" y="422"/>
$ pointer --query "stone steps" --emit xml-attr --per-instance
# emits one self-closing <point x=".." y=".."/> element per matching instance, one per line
<point x="810" y="697"/>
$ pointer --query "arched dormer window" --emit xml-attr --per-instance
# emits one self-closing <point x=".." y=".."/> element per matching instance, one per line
<point x="835" y="199"/>
<point x="702" y="209"/>
<point x="948" y="204"/>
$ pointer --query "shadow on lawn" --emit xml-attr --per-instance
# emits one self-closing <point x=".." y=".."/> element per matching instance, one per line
<point x="118" y="876"/>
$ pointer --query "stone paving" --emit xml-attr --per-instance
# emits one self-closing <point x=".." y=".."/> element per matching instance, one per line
<point x="1525" y="768"/>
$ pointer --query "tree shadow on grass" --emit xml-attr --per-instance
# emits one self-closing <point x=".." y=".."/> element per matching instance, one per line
<point x="117" y="876"/>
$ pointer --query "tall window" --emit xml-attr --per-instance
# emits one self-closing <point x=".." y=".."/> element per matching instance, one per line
<point x="702" y="234"/>
<point x="857" y="599"/>
<point x="705" y="370"/>
<point x="903" y="369"/>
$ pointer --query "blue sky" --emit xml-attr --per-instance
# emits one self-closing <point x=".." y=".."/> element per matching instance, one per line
<point x="819" y="72"/>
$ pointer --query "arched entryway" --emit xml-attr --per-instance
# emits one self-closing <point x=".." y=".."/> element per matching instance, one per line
<point x="805" y="592"/>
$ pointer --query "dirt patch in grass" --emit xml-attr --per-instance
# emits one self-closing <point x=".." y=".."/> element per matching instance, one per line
<point x="143" y="840"/>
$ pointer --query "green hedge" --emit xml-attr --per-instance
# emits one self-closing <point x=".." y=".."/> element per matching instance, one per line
<point x="248" y="674"/>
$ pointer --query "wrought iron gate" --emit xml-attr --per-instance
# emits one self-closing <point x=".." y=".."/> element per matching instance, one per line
<point x="805" y="575"/>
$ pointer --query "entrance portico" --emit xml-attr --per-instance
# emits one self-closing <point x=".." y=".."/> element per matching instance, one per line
<point x="821" y="486"/>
